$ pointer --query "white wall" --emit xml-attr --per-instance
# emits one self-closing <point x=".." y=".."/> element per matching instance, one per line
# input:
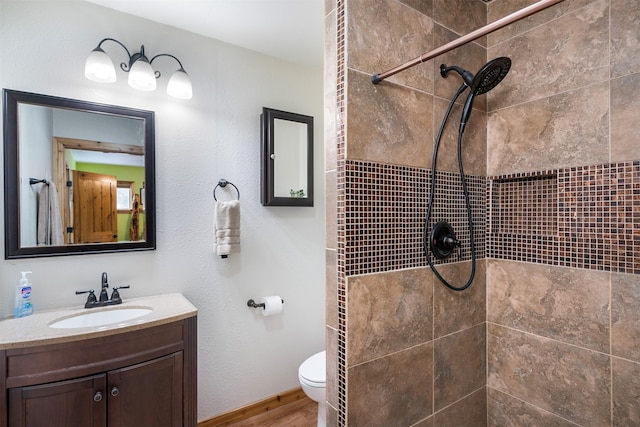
<point x="242" y="357"/>
<point x="39" y="166"/>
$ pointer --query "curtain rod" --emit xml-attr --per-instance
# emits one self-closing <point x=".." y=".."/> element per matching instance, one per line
<point x="482" y="31"/>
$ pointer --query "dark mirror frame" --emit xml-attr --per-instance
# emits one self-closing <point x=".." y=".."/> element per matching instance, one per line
<point x="267" y="196"/>
<point x="11" y="99"/>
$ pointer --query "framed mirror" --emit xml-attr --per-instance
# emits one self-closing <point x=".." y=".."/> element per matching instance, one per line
<point x="287" y="158"/>
<point x="79" y="177"/>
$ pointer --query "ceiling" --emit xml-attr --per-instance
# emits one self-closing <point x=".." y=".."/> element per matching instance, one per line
<point x="287" y="29"/>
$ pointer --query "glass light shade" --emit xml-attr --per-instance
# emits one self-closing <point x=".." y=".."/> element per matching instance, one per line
<point x="99" y="67"/>
<point x="142" y="76"/>
<point x="179" y="85"/>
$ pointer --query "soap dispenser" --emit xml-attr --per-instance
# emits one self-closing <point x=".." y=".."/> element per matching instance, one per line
<point x="23" y="306"/>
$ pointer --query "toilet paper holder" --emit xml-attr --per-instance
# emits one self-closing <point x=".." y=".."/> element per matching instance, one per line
<point x="251" y="303"/>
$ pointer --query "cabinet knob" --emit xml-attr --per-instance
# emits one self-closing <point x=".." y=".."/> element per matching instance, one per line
<point x="97" y="397"/>
<point x="115" y="391"/>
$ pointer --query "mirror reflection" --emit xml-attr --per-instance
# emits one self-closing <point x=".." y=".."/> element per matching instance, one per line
<point x="290" y="159"/>
<point x="83" y="179"/>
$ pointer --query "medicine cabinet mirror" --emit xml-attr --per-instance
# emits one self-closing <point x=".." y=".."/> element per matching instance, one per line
<point x="287" y="158"/>
<point x="100" y="160"/>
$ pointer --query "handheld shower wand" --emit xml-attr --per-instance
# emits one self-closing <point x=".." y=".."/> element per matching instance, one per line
<point x="441" y="241"/>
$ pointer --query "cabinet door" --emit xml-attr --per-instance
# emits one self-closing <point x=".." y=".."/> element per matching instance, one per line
<point x="79" y="403"/>
<point x="147" y="394"/>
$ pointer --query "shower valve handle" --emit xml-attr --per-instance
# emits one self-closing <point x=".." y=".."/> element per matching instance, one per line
<point x="451" y="241"/>
<point x="443" y="240"/>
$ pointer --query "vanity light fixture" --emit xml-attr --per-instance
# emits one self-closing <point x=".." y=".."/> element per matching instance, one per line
<point x="99" y="68"/>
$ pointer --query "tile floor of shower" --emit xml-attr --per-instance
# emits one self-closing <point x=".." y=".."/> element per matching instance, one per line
<point x="302" y="413"/>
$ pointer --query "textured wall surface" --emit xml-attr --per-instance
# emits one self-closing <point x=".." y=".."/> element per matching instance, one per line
<point x="214" y="135"/>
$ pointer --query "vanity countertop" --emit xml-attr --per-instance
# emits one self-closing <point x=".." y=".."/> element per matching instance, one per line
<point x="34" y="330"/>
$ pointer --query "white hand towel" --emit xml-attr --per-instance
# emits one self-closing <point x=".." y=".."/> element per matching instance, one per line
<point x="227" y="228"/>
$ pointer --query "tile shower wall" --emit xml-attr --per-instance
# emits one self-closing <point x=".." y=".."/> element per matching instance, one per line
<point x="334" y="155"/>
<point x="556" y="302"/>
<point x="563" y="241"/>
<point x="407" y="350"/>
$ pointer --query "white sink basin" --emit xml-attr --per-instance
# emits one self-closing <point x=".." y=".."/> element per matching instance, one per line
<point x="100" y="318"/>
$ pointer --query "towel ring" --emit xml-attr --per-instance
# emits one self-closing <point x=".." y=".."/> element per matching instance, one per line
<point x="223" y="183"/>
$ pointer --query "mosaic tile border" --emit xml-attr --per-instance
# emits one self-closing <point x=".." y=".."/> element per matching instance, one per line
<point x="341" y="64"/>
<point x="386" y="209"/>
<point x="582" y="217"/>
<point x="597" y="214"/>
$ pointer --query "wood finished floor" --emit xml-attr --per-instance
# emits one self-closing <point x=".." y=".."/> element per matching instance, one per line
<point x="302" y="413"/>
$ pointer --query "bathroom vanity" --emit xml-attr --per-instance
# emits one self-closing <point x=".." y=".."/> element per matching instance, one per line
<point x="137" y="372"/>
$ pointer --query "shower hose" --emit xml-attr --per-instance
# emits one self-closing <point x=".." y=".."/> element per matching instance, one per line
<point x="425" y="234"/>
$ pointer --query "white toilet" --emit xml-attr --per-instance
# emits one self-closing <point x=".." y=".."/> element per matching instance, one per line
<point x="313" y="379"/>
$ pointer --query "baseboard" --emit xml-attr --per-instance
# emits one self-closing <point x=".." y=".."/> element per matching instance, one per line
<point x="252" y="409"/>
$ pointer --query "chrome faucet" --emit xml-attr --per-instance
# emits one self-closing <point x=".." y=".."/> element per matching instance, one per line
<point x="104" y="299"/>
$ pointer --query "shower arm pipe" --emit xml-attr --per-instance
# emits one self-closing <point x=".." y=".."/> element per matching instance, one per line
<point x="482" y="31"/>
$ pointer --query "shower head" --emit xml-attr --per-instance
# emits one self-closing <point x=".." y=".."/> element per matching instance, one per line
<point x="491" y="73"/>
<point x="488" y="77"/>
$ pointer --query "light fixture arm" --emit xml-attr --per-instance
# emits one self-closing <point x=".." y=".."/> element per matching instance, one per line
<point x="139" y="55"/>
<point x="123" y="65"/>
<point x="169" y="55"/>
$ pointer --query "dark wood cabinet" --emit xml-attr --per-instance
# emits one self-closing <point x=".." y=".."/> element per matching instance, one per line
<point x="148" y="394"/>
<point x="132" y="379"/>
<point x="78" y="402"/>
